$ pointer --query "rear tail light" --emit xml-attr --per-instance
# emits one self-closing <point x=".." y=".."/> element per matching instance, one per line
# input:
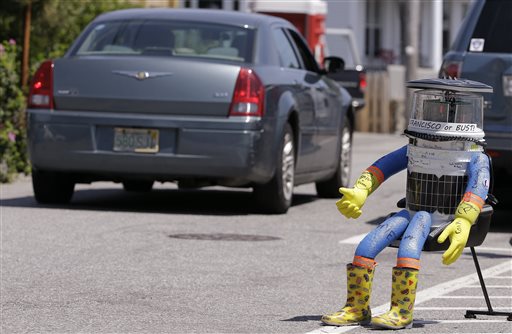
<point x="41" y="88"/>
<point x="507" y="85"/>
<point x="248" y="96"/>
<point x="493" y="154"/>
<point x="450" y="69"/>
<point x="362" y="82"/>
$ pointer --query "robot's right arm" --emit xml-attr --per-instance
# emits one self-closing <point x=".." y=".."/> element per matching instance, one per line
<point x="354" y="198"/>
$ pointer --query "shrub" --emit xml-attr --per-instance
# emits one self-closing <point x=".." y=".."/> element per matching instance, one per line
<point x="13" y="143"/>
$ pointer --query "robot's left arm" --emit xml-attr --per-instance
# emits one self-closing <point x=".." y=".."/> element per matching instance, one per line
<point x="469" y="208"/>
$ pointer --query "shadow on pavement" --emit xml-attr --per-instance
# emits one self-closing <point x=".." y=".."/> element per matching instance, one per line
<point x="202" y="202"/>
<point x="304" y="318"/>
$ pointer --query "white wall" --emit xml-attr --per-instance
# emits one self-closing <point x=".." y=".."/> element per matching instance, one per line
<point x="352" y="14"/>
<point x="391" y="28"/>
<point x="348" y="14"/>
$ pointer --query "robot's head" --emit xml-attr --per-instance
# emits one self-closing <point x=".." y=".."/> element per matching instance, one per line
<point x="446" y="109"/>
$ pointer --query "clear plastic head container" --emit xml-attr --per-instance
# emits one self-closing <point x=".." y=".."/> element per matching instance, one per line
<point x="447" y="113"/>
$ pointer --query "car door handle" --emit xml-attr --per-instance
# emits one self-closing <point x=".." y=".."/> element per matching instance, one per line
<point x="297" y="83"/>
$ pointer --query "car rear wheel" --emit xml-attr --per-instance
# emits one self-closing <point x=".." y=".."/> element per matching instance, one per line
<point x="138" y="185"/>
<point x="341" y="178"/>
<point x="276" y="195"/>
<point x="52" y="187"/>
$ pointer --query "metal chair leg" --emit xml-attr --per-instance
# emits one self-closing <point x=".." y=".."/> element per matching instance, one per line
<point x="490" y="311"/>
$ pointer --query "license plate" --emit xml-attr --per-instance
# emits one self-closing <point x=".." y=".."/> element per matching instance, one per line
<point x="136" y="140"/>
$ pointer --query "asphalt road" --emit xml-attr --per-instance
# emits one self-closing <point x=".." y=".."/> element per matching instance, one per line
<point x="207" y="261"/>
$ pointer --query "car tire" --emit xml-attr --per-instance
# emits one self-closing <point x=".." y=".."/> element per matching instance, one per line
<point x="138" y="185"/>
<point x="276" y="195"/>
<point x="341" y="178"/>
<point x="52" y="187"/>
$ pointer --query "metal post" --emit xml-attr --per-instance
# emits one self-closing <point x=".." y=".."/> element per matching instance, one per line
<point x="437" y="34"/>
<point x="412" y="24"/>
<point x="481" y="279"/>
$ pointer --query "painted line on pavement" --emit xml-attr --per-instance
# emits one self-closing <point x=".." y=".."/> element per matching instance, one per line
<point x="475" y="321"/>
<point x="429" y="322"/>
<point x="422" y="296"/>
<point x="491" y="286"/>
<point x="356" y="239"/>
<point x="496" y="249"/>
<point x="434" y="308"/>
<point x="473" y="297"/>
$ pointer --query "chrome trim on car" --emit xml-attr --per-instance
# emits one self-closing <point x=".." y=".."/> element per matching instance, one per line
<point x="142" y="75"/>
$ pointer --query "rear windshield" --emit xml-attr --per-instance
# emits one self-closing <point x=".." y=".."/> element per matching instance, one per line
<point x="492" y="32"/>
<point x="164" y="38"/>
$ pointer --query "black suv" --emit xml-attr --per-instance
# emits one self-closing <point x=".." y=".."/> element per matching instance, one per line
<point x="482" y="52"/>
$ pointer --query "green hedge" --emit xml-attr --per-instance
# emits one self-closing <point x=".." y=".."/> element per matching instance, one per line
<point x="13" y="139"/>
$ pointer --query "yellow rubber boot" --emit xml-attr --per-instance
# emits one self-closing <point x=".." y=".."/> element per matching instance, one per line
<point x="403" y="294"/>
<point x="357" y="308"/>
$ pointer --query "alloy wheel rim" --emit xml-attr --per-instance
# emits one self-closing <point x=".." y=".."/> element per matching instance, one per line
<point x="288" y="166"/>
<point x="345" y="161"/>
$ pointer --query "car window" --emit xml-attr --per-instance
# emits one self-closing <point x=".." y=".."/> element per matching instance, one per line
<point x="340" y="46"/>
<point x="305" y="54"/>
<point x="492" y="32"/>
<point x="285" y="50"/>
<point x="163" y="38"/>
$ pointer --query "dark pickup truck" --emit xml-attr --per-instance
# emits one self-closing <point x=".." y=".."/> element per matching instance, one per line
<point x="482" y="51"/>
<point x="341" y="43"/>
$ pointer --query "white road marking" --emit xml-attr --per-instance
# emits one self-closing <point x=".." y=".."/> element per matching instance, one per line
<point x="495" y="249"/>
<point x="433" y="308"/>
<point x="462" y="282"/>
<point x="426" y="322"/>
<point x="356" y="239"/>
<point x="491" y="286"/>
<point x="429" y="294"/>
<point x="474" y="321"/>
<point x="332" y="329"/>
<point x="473" y="297"/>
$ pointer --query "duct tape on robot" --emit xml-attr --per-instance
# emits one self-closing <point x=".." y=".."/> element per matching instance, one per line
<point x="444" y="128"/>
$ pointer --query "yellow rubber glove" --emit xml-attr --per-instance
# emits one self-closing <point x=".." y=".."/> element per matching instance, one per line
<point x="352" y="201"/>
<point x="458" y="231"/>
<point x="353" y="198"/>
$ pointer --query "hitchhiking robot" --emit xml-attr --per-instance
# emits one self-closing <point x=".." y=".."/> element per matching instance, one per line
<point x="447" y="183"/>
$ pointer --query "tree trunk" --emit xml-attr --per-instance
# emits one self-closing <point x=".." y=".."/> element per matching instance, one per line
<point x="25" y="66"/>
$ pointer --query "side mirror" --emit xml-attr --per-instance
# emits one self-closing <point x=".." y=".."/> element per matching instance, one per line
<point x="334" y="64"/>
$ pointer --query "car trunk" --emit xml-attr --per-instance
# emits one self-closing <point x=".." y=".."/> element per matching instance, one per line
<point x="483" y="67"/>
<point x="155" y="85"/>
